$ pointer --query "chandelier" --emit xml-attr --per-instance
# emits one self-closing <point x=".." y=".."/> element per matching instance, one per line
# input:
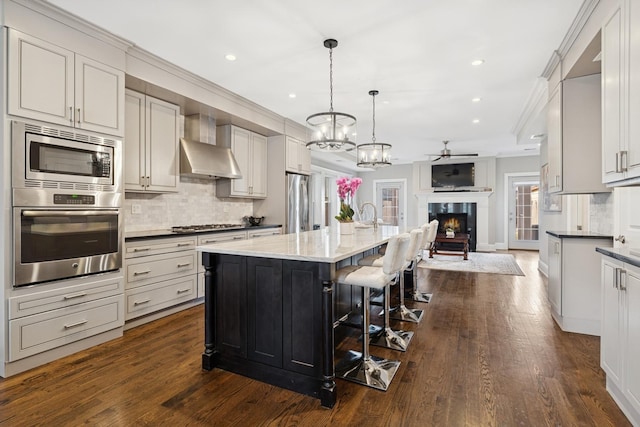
<point x="374" y="154"/>
<point x="330" y="131"/>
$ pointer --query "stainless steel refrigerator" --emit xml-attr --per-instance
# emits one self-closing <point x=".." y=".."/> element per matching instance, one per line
<point x="297" y="203"/>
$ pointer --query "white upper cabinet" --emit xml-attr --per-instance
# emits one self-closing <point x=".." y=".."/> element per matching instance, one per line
<point x="52" y="84"/>
<point x="250" y="152"/>
<point x="621" y="99"/>
<point x="574" y="136"/>
<point x="151" y="144"/>
<point x="298" y="156"/>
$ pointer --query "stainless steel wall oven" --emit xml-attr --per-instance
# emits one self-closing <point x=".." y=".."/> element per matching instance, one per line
<point x="67" y="191"/>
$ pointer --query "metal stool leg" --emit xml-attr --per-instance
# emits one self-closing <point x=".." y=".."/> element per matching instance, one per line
<point x="363" y="368"/>
<point x="403" y="313"/>
<point x="416" y="295"/>
<point x="395" y="340"/>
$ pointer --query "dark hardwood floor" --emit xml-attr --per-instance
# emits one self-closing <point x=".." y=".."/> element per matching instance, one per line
<point x="487" y="353"/>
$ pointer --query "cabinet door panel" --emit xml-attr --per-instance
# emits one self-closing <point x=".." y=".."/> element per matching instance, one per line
<point x="264" y="289"/>
<point x="99" y="97"/>
<point x="302" y="342"/>
<point x="161" y="134"/>
<point x="611" y="97"/>
<point x="40" y="82"/>
<point x="633" y="90"/>
<point x="259" y="172"/>
<point x="610" y="341"/>
<point x="632" y="377"/>
<point x="231" y="303"/>
<point x="134" y="145"/>
<point x="241" y="147"/>
<point x="555" y="270"/>
<point x="554" y="139"/>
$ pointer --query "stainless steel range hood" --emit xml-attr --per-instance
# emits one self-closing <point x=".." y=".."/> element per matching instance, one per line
<point x="202" y="159"/>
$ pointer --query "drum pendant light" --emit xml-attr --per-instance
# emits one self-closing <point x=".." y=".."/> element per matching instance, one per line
<point x="331" y="131"/>
<point x="374" y="154"/>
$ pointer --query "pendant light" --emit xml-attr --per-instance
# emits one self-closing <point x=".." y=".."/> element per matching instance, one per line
<point x="330" y="131"/>
<point x="374" y="154"/>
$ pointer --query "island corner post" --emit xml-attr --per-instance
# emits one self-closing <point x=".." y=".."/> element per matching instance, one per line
<point x="312" y="374"/>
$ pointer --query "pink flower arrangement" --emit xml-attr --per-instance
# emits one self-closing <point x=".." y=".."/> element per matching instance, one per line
<point x="346" y="190"/>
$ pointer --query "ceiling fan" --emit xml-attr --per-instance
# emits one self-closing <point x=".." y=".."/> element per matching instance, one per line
<point x="445" y="153"/>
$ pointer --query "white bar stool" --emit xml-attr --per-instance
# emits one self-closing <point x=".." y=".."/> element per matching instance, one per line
<point x="401" y="312"/>
<point x="427" y="242"/>
<point x="363" y="368"/>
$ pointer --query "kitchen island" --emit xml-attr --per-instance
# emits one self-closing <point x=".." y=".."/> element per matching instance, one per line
<point x="271" y="306"/>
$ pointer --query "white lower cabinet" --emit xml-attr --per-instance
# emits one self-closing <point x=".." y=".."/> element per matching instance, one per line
<point x="573" y="286"/>
<point x="620" y="343"/>
<point x="34" y="334"/>
<point x="53" y="315"/>
<point x="160" y="273"/>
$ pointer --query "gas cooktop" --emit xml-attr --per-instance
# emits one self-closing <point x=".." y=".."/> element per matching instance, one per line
<point x="203" y="227"/>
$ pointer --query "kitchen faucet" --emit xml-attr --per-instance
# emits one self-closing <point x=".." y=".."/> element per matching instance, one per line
<point x="375" y="213"/>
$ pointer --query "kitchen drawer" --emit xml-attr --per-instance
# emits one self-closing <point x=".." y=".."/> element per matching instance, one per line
<point x="147" y="299"/>
<point x="141" y="271"/>
<point x="141" y="248"/>
<point x="34" y="334"/>
<point x="211" y="238"/>
<point x="87" y="289"/>
<point x="264" y="232"/>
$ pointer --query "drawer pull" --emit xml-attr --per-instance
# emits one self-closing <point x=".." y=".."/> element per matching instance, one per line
<point x="75" y="325"/>
<point x="140" y="273"/>
<point x="79" y="295"/>
<point x="238" y="238"/>
<point x="187" y="264"/>
<point x="208" y="241"/>
<point x="144" y="301"/>
<point x="182" y="291"/>
<point x="140" y="249"/>
<point x="180" y="245"/>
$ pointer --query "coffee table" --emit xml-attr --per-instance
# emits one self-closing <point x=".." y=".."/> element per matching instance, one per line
<point x="459" y="238"/>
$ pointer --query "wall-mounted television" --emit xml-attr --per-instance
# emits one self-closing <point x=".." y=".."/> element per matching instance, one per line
<point x="453" y="175"/>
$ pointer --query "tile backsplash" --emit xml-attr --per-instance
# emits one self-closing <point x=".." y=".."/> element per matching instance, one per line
<point x="195" y="203"/>
<point x="601" y="213"/>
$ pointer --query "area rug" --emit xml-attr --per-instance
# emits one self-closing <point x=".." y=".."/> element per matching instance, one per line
<point x="478" y="262"/>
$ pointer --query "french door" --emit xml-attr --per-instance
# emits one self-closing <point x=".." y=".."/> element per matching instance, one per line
<point x="391" y="201"/>
<point x="523" y="224"/>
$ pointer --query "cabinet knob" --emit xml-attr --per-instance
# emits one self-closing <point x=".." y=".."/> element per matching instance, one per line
<point x="620" y="239"/>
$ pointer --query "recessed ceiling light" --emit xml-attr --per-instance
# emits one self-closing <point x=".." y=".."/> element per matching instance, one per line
<point x="292" y="95"/>
<point x="537" y="136"/>
<point x="476" y="99"/>
<point x="476" y="121"/>
<point x="230" y="57"/>
<point x="385" y="102"/>
<point x="478" y="62"/>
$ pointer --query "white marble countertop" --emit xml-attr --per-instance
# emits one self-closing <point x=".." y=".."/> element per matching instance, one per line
<point x="324" y="245"/>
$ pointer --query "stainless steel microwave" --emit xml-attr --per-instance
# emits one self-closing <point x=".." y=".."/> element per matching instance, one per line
<point x="58" y="158"/>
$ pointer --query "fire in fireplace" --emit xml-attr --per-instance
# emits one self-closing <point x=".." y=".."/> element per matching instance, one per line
<point x="461" y="217"/>
<point x="452" y="221"/>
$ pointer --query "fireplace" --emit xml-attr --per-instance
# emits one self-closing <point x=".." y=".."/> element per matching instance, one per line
<point x="461" y="217"/>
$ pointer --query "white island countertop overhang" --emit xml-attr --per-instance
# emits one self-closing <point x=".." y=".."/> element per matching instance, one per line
<point x="324" y="245"/>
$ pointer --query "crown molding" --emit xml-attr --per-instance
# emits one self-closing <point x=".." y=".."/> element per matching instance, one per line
<point x="64" y="17"/>
<point x="587" y="8"/>
<point x="535" y="104"/>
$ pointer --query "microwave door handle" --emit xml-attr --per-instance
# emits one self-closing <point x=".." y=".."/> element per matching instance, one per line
<point x="67" y="213"/>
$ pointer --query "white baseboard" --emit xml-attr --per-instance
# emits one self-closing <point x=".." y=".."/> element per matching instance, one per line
<point x="543" y="268"/>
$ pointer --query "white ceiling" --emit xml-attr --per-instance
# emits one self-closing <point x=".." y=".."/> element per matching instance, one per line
<point x="417" y="53"/>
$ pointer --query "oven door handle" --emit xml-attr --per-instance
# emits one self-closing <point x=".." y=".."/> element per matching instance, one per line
<point x="69" y="213"/>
